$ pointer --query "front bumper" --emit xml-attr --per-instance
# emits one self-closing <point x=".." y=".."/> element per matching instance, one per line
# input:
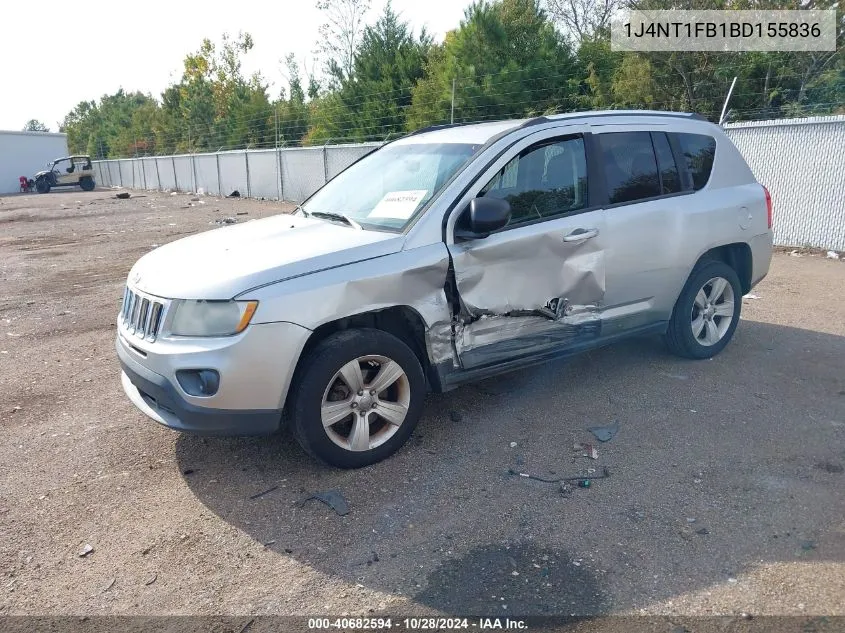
<point x="158" y="399"/>
<point x="761" y="256"/>
<point x="255" y="369"/>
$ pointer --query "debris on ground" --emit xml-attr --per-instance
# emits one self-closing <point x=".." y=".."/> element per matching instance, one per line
<point x="795" y="253"/>
<point x="234" y="194"/>
<point x="242" y="213"/>
<point x="174" y="193"/>
<point x="123" y="195"/>
<point x="86" y="549"/>
<point x="829" y="467"/>
<point x="265" y="492"/>
<point x="514" y="444"/>
<point x="579" y="478"/>
<point x="110" y="585"/>
<point x="808" y="545"/>
<point x="200" y="191"/>
<point x="604" y="433"/>
<point x="750" y="295"/>
<point x="589" y="450"/>
<point x="332" y="498"/>
<point x="227" y="220"/>
<point x="195" y="199"/>
<point x="151" y="580"/>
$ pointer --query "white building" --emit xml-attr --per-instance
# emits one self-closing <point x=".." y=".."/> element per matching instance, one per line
<point x="24" y="153"/>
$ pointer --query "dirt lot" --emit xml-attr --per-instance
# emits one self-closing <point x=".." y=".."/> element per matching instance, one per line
<point x="726" y="492"/>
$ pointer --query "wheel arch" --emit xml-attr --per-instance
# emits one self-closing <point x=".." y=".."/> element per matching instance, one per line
<point x="737" y="255"/>
<point x="402" y="321"/>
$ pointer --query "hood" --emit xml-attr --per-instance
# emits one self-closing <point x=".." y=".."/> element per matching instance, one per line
<point x="43" y="172"/>
<point x="225" y="262"/>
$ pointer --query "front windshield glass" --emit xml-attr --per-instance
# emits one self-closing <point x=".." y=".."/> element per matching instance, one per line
<point x="383" y="190"/>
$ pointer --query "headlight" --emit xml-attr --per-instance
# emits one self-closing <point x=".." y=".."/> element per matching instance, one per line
<point x="211" y="318"/>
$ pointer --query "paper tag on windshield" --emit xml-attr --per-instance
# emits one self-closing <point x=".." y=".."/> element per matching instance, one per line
<point x="398" y="204"/>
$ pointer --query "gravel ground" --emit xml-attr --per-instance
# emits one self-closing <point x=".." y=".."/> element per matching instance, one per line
<point x="725" y="496"/>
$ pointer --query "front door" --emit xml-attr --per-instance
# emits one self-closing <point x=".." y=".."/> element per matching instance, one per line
<point x="537" y="285"/>
<point x="65" y="172"/>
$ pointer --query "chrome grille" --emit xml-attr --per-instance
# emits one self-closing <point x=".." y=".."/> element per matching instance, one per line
<point x="140" y="315"/>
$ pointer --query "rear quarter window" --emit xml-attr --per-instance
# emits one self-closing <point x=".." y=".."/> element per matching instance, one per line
<point x="697" y="152"/>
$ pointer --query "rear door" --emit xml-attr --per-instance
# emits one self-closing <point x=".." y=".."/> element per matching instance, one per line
<point x="646" y="195"/>
<point x="536" y="285"/>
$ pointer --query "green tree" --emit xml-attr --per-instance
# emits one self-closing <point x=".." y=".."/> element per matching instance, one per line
<point x="292" y="112"/>
<point x="111" y="127"/>
<point x="506" y="60"/>
<point x="371" y="104"/>
<point x="34" y="125"/>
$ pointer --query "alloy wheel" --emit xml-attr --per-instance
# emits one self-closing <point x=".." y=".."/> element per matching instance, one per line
<point x="365" y="403"/>
<point x="712" y="311"/>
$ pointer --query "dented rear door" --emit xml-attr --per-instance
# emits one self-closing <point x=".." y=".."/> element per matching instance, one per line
<point x="537" y="285"/>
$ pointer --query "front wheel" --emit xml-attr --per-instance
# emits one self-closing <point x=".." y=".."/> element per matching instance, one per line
<point x="707" y="312"/>
<point x="357" y="398"/>
<point x="42" y="186"/>
<point x="87" y="184"/>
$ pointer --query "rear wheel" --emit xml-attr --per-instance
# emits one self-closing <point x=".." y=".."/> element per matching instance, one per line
<point x="42" y="186"/>
<point x="707" y="312"/>
<point x="358" y="397"/>
<point x="87" y="184"/>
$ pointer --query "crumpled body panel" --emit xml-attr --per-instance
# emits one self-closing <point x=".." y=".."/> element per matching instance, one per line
<point x="523" y="291"/>
<point x="413" y="278"/>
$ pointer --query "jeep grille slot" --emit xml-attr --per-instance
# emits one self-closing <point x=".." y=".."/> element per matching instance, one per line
<point x="141" y="315"/>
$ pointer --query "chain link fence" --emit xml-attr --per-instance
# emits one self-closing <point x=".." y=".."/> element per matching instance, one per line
<point x="801" y="161"/>
<point x="291" y="173"/>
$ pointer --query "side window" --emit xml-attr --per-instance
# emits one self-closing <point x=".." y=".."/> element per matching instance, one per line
<point x="544" y="180"/>
<point x="698" y="151"/>
<point x="629" y="166"/>
<point x="670" y="180"/>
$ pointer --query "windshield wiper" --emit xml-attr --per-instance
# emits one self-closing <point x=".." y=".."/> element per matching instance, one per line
<point x="328" y="215"/>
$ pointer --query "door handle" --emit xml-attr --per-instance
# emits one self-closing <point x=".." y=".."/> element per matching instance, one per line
<point x="579" y="235"/>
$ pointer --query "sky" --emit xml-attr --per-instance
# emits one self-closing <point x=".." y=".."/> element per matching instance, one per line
<point x="49" y="65"/>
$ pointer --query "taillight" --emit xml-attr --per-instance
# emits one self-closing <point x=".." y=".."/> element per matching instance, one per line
<point x="768" y="206"/>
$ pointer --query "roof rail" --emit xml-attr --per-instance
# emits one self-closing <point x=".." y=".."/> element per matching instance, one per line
<point x="442" y="126"/>
<point x="563" y="116"/>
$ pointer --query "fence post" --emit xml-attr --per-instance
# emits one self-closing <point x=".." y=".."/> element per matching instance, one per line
<point x="281" y="181"/>
<point x="219" y="181"/>
<point x="120" y="173"/>
<point x="175" y="178"/>
<point x="158" y="175"/>
<point x="246" y="162"/>
<point x="325" y="164"/>
<point x="144" y="172"/>
<point x="194" y="173"/>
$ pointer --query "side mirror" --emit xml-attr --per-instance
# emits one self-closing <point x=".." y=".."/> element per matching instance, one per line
<point x="483" y="216"/>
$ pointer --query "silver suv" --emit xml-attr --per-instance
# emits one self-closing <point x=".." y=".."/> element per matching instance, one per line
<point x="447" y="256"/>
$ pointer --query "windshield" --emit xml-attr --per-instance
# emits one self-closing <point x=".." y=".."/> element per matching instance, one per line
<point x="383" y="190"/>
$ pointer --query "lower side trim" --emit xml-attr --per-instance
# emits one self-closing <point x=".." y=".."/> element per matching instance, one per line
<point x="451" y="378"/>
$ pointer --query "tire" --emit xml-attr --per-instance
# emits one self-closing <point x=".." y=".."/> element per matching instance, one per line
<point x="42" y="186"/>
<point x="699" y="328"/>
<point x="87" y="184"/>
<point x="321" y="390"/>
